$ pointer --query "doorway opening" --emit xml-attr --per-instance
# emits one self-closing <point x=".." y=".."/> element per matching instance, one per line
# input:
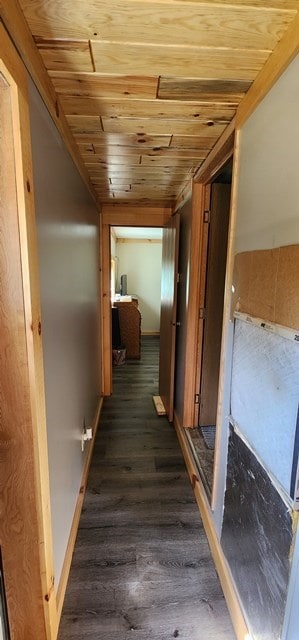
<point x="168" y="297"/>
<point x="136" y="267"/>
<point x="213" y="269"/>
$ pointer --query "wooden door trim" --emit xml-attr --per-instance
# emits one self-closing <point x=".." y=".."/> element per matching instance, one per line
<point x="125" y="216"/>
<point x="201" y="301"/>
<point x="106" y="360"/>
<point x="212" y="166"/>
<point x="220" y="154"/>
<point x="200" y="193"/>
<point x="170" y="255"/>
<point x="39" y="563"/>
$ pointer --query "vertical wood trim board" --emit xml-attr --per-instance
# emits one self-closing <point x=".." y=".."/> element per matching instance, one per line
<point x="196" y="250"/>
<point x="75" y="524"/>
<point x="27" y="550"/>
<point x="225" y="577"/>
<point x="106" y="310"/>
<point x="220" y="456"/>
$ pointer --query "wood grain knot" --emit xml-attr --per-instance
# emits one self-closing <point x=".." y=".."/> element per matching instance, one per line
<point x="194" y="480"/>
<point x="48" y="595"/>
<point x="39" y="328"/>
<point x="28" y="186"/>
<point x="57" y="108"/>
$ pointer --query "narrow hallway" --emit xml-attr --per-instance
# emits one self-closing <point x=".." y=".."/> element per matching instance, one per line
<point x="142" y="567"/>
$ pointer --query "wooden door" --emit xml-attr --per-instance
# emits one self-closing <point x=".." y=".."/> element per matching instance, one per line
<point x="170" y="254"/>
<point x="214" y="296"/>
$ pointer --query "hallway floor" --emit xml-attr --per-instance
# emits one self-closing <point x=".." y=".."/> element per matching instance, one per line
<point x="142" y="567"/>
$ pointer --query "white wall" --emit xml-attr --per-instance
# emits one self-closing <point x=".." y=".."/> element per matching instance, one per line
<point x="142" y="262"/>
<point x="268" y="185"/>
<point x="67" y="226"/>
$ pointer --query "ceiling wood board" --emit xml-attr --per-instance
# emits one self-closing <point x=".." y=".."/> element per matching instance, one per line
<point x="142" y="59"/>
<point x="91" y="153"/>
<point x="94" y="85"/>
<point x="156" y="126"/>
<point x="206" y="140"/>
<point x="95" y="160"/>
<point x="209" y="90"/>
<point x="67" y="55"/>
<point x="186" y="24"/>
<point x="174" y="109"/>
<point x="168" y="162"/>
<point x="139" y="170"/>
<point x="101" y="139"/>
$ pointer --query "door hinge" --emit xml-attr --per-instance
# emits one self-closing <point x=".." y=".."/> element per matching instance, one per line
<point x="178" y="278"/>
<point x="207" y="216"/>
<point x="197" y="398"/>
<point x="202" y="313"/>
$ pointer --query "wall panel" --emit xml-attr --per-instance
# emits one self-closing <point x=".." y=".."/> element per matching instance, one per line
<point x="67" y="225"/>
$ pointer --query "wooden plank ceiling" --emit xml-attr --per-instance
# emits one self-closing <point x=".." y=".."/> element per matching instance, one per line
<point x="149" y="86"/>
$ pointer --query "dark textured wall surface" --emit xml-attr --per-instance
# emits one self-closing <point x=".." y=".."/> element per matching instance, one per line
<point x="256" y="539"/>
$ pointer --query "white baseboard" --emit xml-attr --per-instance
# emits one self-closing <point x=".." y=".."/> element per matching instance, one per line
<point x="74" y="528"/>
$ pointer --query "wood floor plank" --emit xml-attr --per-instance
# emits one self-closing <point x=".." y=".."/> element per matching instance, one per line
<point x="142" y="567"/>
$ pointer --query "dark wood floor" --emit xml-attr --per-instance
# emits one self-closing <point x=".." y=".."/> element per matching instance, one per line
<point x="142" y="567"/>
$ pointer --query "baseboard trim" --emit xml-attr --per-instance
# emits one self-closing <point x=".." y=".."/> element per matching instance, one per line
<point x="150" y="333"/>
<point x="224" y="573"/>
<point x="74" y="528"/>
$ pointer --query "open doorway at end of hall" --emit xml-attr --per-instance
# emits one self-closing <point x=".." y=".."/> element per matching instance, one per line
<point x="136" y="265"/>
<point x="143" y="286"/>
<point x="213" y="268"/>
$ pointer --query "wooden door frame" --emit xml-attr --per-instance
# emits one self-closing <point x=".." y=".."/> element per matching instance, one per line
<point x="121" y="216"/>
<point x="36" y="504"/>
<point x="168" y="325"/>
<point x="201" y="187"/>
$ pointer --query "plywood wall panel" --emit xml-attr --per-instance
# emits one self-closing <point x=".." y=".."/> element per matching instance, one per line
<point x="254" y="281"/>
<point x="266" y="285"/>
<point x="287" y="289"/>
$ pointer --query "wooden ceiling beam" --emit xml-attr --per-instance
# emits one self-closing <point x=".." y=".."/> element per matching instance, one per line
<point x="135" y="216"/>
